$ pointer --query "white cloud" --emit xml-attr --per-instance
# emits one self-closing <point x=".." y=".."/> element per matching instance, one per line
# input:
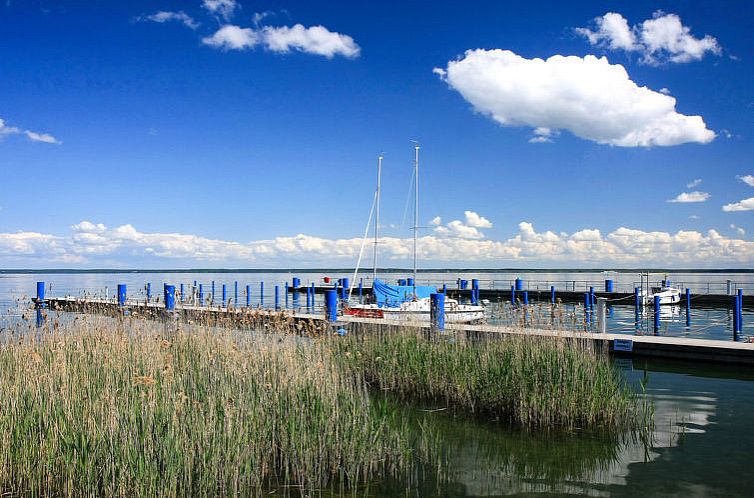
<point x="42" y="137"/>
<point x="740" y="231"/>
<point x="590" y="97"/>
<point x="543" y="135"/>
<point x="744" y="205"/>
<point x="694" y="183"/>
<point x="435" y="221"/>
<point x="166" y="16"/>
<point x="691" y="197"/>
<point x="694" y="217"/>
<point x="468" y="229"/>
<point x="660" y="39"/>
<point x="223" y="8"/>
<point x="612" y="31"/>
<point x="313" y="40"/>
<point x="31" y="135"/>
<point x="747" y="179"/>
<point x="476" y="221"/>
<point x="230" y="37"/>
<point x="90" y="244"/>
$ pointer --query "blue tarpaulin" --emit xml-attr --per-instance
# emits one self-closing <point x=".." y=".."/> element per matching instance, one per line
<point x="393" y="295"/>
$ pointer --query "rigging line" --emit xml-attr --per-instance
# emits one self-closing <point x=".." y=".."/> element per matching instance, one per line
<point x="363" y="243"/>
<point x="408" y="198"/>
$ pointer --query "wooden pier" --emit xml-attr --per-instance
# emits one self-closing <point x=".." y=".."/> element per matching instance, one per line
<point x="726" y="352"/>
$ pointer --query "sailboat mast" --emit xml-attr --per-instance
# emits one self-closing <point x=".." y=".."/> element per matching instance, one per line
<point x="377" y="217"/>
<point x="416" y="202"/>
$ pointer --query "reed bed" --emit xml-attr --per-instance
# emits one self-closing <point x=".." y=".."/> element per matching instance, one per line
<point x="131" y="408"/>
<point x="529" y="381"/>
<point x="97" y="406"/>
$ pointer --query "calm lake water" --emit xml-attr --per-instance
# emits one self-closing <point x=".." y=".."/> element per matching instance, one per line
<point x="701" y="446"/>
<point x="704" y="322"/>
<point x="704" y="414"/>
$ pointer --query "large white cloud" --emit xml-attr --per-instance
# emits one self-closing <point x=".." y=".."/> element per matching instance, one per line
<point x="313" y="40"/>
<point x="91" y="244"/>
<point x="662" y="38"/>
<point x="588" y="96"/>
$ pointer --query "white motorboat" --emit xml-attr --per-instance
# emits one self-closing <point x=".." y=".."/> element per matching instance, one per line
<point x="668" y="295"/>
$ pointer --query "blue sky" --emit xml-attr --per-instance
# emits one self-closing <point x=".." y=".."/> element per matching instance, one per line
<point x="236" y="133"/>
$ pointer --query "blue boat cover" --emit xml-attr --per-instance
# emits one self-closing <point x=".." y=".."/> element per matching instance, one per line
<point x="392" y="296"/>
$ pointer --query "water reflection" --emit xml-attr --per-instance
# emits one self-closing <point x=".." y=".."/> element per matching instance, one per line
<point x="700" y="441"/>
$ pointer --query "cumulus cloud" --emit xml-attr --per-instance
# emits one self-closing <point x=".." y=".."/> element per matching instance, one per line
<point x="744" y="205"/>
<point x="660" y="39"/>
<point x="167" y="16"/>
<point x="695" y="196"/>
<point x="222" y="8"/>
<point x="747" y="179"/>
<point x="91" y="243"/>
<point x="6" y="130"/>
<point x="435" y="221"/>
<point x="230" y="37"/>
<point x="694" y="183"/>
<point x="468" y="229"/>
<point x="612" y="31"/>
<point x="588" y="96"/>
<point x="475" y="220"/>
<point x="313" y="40"/>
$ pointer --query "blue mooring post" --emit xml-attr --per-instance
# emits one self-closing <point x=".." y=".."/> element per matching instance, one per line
<point x="591" y="298"/>
<point x="261" y="293"/>
<point x="308" y="298"/>
<point x="552" y="294"/>
<point x="445" y="289"/>
<point x="519" y="284"/>
<point x="344" y="290"/>
<point x="331" y="305"/>
<point x="169" y="297"/>
<point x="201" y="294"/>
<point x="313" y="295"/>
<point x="248" y="296"/>
<point x="513" y="295"/>
<point x="225" y="296"/>
<point x="149" y="291"/>
<point x="409" y="282"/>
<point x="286" y="295"/>
<point x="735" y="314"/>
<point x="40" y="295"/>
<point x="740" y="310"/>
<point x="277" y="297"/>
<point x="657" y="313"/>
<point x="235" y="293"/>
<point x="295" y="282"/>
<point x="212" y="294"/>
<point x="121" y="294"/>
<point x="361" y="288"/>
<point x="437" y="311"/>
<point x="526" y="297"/>
<point x="182" y="298"/>
<point x="608" y="286"/>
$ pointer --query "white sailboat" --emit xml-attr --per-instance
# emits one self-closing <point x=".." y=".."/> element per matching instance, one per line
<point x="407" y="303"/>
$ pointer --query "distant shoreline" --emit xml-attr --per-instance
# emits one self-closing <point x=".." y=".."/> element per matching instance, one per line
<point x="26" y="271"/>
